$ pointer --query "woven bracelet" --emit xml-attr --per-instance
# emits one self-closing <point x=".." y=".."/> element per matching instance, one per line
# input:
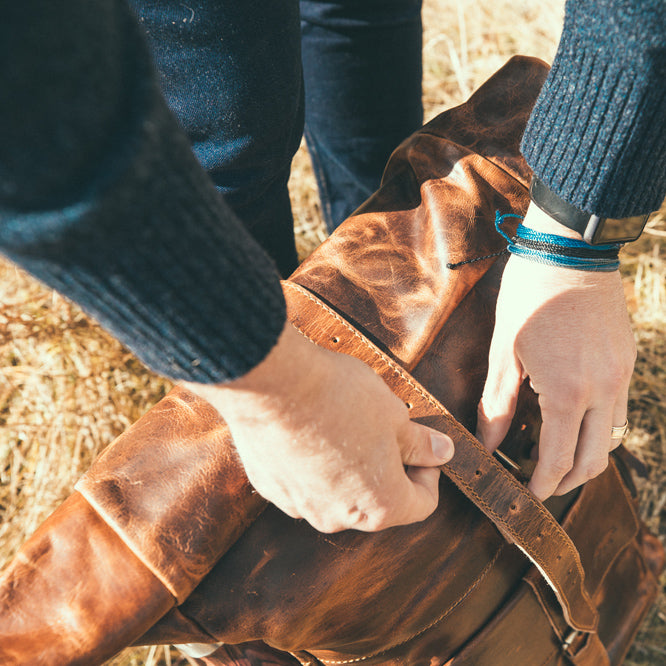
<point x="556" y="250"/>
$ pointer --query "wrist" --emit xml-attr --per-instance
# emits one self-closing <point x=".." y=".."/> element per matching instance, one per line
<point x="286" y="375"/>
<point x="546" y="241"/>
<point x="539" y="220"/>
<point x="285" y="364"/>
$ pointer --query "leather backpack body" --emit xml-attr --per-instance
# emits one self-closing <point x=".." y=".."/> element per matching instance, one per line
<point x="165" y="541"/>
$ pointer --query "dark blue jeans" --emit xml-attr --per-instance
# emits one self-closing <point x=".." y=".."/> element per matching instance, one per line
<point x="245" y="76"/>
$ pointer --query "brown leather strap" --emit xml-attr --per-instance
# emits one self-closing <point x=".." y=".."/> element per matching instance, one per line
<point x="521" y="518"/>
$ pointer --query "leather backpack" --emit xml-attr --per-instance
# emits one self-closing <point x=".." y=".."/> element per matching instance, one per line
<point x="165" y="541"/>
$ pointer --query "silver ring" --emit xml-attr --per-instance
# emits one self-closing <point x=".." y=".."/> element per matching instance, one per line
<point x="618" y="432"/>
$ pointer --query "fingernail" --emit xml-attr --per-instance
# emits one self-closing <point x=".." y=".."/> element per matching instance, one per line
<point x="442" y="446"/>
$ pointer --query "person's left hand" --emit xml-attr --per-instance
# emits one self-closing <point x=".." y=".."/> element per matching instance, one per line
<point x="569" y="332"/>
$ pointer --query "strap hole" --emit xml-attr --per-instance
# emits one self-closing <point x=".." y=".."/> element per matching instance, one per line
<point x="335" y="339"/>
<point x="478" y="472"/>
<point x="409" y="405"/>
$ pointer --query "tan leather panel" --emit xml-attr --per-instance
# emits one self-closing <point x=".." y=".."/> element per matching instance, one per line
<point x="633" y="591"/>
<point x="55" y="594"/>
<point x="506" y="643"/>
<point x="599" y="544"/>
<point x="406" y="305"/>
<point x="200" y="500"/>
<point x="352" y="593"/>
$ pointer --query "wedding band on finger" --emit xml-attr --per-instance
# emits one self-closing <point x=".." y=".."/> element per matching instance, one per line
<point x="618" y="432"/>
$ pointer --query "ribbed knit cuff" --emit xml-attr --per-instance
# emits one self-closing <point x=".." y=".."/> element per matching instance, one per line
<point x="596" y="135"/>
<point x="155" y="255"/>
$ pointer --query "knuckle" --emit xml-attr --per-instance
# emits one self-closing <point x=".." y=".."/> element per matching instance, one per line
<point x="561" y="465"/>
<point x="595" y="467"/>
<point x="326" y="519"/>
<point x="367" y="520"/>
<point x="410" y="447"/>
<point x="616" y="374"/>
<point x="326" y="522"/>
<point x="577" y="391"/>
<point x="569" y="393"/>
<point x="372" y="522"/>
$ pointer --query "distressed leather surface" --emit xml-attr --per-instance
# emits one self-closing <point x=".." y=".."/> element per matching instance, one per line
<point x="200" y="499"/>
<point x="385" y="267"/>
<point x="67" y="596"/>
<point x="172" y="507"/>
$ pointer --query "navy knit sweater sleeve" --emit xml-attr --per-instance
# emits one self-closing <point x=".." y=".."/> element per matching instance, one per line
<point x="102" y="198"/>
<point x="597" y="135"/>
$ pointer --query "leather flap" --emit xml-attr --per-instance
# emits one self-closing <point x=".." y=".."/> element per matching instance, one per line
<point x="601" y="527"/>
<point x="387" y="268"/>
<point x="174" y="490"/>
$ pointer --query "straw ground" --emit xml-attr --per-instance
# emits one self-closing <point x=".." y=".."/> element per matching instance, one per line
<point x="67" y="388"/>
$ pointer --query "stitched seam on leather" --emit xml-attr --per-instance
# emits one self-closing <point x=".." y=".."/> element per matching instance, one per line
<point x="430" y="400"/>
<point x="401" y="373"/>
<point x="436" y="621"/>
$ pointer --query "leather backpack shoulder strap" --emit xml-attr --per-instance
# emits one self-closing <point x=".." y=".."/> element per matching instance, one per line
<point x="518" y="515"/>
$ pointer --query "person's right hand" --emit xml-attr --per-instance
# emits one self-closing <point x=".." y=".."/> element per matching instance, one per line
<point x="323" y="438"/>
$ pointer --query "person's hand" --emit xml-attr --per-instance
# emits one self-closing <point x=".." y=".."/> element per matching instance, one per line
<point x="323" y="438"/>
<point x="569" y="332"/>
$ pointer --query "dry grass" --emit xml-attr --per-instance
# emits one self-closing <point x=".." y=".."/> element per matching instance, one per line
<point x="67" y="388"/>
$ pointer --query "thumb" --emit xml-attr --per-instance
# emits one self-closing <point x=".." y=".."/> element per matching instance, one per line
<point x="421" y="446"/>
<point x="498" y="403"/>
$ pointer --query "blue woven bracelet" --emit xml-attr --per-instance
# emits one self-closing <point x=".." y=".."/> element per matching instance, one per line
<point x="556" y="250"/>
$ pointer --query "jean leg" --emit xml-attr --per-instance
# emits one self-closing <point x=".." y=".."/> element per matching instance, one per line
<point x="231" y="73"/>
<point x="362" y="67"/>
